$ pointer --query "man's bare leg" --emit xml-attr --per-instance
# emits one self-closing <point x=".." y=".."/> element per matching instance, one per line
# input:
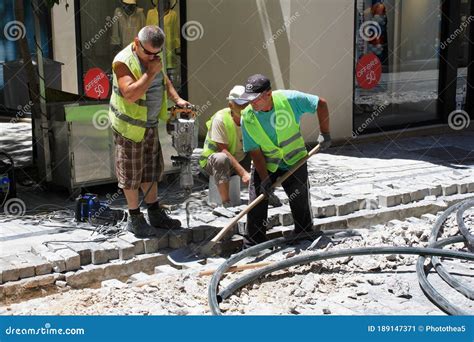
<point x="224" y="192"/>
<point x="132" y="198"/>
<point x="152" y="195"/>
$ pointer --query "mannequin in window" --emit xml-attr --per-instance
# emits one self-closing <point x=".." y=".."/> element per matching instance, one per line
<point x="131" y="19"/>
<point x="171" y="29"/>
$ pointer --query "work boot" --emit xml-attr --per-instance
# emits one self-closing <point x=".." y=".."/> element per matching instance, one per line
<point x="137" y="225"/>
<point x="159" y="218"/>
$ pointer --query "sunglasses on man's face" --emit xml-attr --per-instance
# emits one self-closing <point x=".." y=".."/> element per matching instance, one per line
<point x="149" y="53"/>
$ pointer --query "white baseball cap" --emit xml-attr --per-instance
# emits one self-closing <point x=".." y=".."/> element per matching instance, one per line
<point x="236" y="94"/>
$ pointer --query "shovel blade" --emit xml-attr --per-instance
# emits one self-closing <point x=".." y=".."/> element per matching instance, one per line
<point x="192" y="253"/>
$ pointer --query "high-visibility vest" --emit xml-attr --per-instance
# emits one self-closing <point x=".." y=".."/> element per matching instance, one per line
<point x="129" y="118"/>
<point x="291" y="147"/>
<point x="210" y="146"/>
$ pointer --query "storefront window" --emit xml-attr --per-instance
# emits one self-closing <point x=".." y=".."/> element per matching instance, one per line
<point x="397" y="63"/>
<point x="106" y="27"/>
<point x="463" y="57"/>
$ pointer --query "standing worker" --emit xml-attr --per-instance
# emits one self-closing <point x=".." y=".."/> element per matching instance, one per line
<point x="139" y="99"/>
<point x="271" y="135"/>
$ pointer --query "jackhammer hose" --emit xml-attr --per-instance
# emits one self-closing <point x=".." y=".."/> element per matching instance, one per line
<point x="432" y="250"/>
<point x="426" y="286"/>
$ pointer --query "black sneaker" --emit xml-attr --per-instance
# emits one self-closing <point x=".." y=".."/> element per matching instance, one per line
<point x="137" y="225"/>
<point x="159" y="219"/>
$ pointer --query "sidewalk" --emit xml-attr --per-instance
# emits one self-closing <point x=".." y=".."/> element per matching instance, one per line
<point x="353" y="186"/>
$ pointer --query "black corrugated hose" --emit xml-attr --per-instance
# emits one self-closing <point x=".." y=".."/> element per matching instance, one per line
<point x="434" y="250"/>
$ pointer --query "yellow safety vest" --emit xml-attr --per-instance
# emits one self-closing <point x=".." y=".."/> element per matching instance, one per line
<point x="291" y="147"/>
<point x="210" y="146"/>
<point x="127" y="118"/>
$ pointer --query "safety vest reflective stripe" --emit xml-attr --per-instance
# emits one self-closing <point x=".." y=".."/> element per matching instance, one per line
<point x="126" y="118"/>
<point x="275" y="161"/>
<point x="290" y="140"/>
<point x="295" y="152"/>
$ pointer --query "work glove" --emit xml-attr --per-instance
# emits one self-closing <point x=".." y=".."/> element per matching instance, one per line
<point x="324" y="141"/>
<point x="266" y="187"/>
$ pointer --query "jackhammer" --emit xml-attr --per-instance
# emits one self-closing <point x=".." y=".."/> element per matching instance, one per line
<point x="181" y="126"/>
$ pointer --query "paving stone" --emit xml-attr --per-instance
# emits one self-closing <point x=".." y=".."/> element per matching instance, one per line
<point x="206" y="218"/>
<point x="39" y="281"/>
<point x="57" y="262"/>
<point x="25" y="269"/>
<point x="179" y="238"/>
<point x="286" y="219"/>
<point x="389" y="200"/>
<point x="101" y="253"/>
<point x="10" y="272"/>
<point x="435" y="190"/>
<point x="462" y="188"/>
<point x="470" y="187"/>
<point x="136" y="242"/>
<point x="113" y="283"/>
<point x="90" y="274"/>
<point x="126" y="250"/>
<point x="321" y="210"/>
<point x="71" y="258"/>
<point x="346" y="207"/>
<point x="84" y="251"/>
<point x="61" y="283"/>
<point x="449" y="190"/>
<point x="153" y="245"/>
<point x="41" y="266"/>
<point x="223" y="212"/>
<point x="419" y="194"/>
<point x="394" y="223"/>
<point x="406" y="198"/>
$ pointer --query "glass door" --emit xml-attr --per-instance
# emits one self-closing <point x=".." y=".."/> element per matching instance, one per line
<point x="397" y="62"/>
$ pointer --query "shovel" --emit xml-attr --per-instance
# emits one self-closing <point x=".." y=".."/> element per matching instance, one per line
<point x="197" y="253"/>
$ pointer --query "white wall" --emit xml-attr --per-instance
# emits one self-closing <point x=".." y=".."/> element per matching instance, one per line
<point x="312" y="52"/>
<point x="64" y="44"/>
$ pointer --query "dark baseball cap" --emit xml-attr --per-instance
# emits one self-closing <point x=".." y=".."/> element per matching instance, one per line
<point x="255" y="86"/>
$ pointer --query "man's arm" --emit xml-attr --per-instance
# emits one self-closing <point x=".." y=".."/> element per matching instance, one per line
<point x="133" y="89"/>
<point x="323" y="115"/>
<point x="224" y="148"/>
<point x="173" y="94"/>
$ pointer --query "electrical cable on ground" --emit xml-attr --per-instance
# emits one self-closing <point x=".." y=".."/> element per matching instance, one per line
<point x="434" y="250"/>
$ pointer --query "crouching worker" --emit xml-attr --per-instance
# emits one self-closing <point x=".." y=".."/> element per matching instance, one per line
<point x="223" y="155"/>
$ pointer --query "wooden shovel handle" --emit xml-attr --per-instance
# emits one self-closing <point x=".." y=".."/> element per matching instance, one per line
<point x="238" y="268"/>
<point x="260" y="198"/>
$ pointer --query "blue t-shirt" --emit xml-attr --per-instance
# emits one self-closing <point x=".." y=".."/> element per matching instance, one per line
<point x="300" y="103"/>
